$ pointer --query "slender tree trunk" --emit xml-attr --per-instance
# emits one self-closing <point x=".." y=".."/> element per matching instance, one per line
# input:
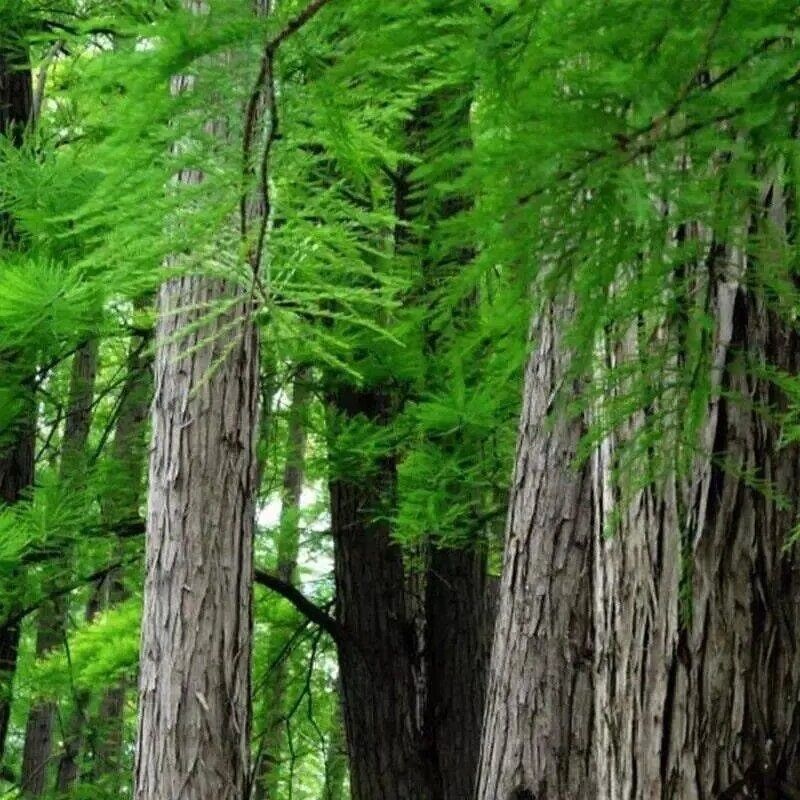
<point x="51" y="619"/>
<point x="335" y="757"/>
<point x="286" y="570"/>
<point x="458" y="631"/>
<point x="121" y="505"/>
<point x="539" y="714"/>
<point x="17" y="448"/>
<point x="377" y="657"/>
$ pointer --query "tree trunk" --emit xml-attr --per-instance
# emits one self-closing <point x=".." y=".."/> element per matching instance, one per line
<point x="286" y="570"/>
<point x="17" y="449"/>
<point x="194" y="688"/>
<point x="539" y="717"/>
<point x="119" y="506"/>
<point x="51" y="619"/>
<point x="378" y="654"/>
<point x="698" y="594"/>
<point x="458" y="633"/>
<point x="335" y="757"/>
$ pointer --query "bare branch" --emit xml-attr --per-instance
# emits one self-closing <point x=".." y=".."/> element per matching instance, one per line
<point x="305" y="606"/>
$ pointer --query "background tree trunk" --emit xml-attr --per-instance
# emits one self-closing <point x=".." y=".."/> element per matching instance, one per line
<point x="286" y="570"/>
<point x="539" y="721"/>
<point x="458" y="633"/>
<point x="52" y="617"/>
<point x="17" y="446"/>
<point x="377" y="656"/>
<point x="335" y="756"/>
<point x="120" y="505"/>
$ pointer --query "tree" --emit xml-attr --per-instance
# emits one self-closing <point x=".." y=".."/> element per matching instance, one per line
<point x="667" y="381"/>
<point x="539" y="717"/>
<point x="288" y="550"/>
<point x="17" y="454"/>
<point x="194" y="688"/>
<point x="52" y="616"/>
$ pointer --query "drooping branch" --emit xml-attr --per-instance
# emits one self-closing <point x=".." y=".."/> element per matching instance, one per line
<point x="305" y="606"/>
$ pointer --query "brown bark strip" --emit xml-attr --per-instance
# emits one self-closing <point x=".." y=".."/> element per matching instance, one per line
<point x="459" y="615"/>
<point x="193" y="739"/>
<point x="194" y="687"/>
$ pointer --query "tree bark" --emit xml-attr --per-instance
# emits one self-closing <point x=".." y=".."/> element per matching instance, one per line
<point x="17" y="452"/>
<point x="693" y="592"/>
<point x="51" y="619"/>
<point x="539" y="715"/>
<point x="286" y="570"/>
<point x="377" y="656"/>
<point x="194" y="688"/>
<point x="698" y="670"/>
<point x="458" y="633"/>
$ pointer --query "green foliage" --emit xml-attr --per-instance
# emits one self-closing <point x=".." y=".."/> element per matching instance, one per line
<point x="436" y="171"/>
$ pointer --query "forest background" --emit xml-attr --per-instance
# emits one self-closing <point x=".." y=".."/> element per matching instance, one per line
<point x="399" y="400"/>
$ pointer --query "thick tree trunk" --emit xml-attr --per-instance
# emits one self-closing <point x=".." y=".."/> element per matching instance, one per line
<point x="286" y="570"/>
<point x="539" y="715"/>
<point x="458" y="633"/>
<point x="698" y="596"/>
<point x="51" y="619"/>
<point x="378" y="654"/>
<point x="17" y="448"/>
<point x="193" y="740"/>
<point x="194" y="687"/>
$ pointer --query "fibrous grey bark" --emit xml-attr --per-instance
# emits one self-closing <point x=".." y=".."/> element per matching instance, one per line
<point x="194" y="686"/>
<point x="193" y="740"/>
<point x="539" y="716"/>
<point x="698" y="669"/>
<point x="695" y="677"/>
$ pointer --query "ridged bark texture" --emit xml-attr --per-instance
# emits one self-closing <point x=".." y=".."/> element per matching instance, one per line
<point x="696" y="595"/>
<point x="698" y="665"/>
<point x="51" y="619"/>
<point x="539" y="722"/>
<point x="377" y="656"/>
<point x="194" y="687"/>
